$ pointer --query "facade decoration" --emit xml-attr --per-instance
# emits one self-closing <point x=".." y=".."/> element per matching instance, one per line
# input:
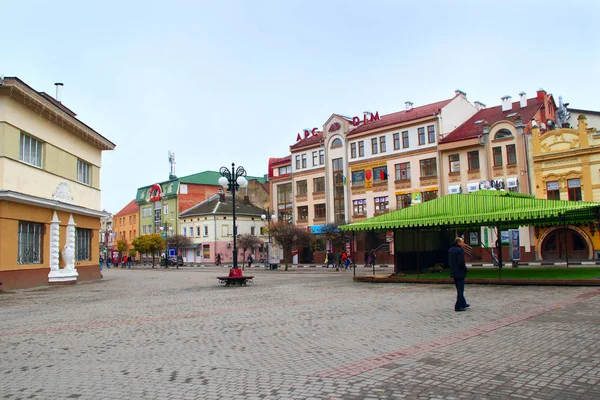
<point x="62" y="193"/>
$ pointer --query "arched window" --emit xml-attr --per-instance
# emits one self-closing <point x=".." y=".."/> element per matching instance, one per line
<point x="336" y="143"/>
<point x="503" y="134"/>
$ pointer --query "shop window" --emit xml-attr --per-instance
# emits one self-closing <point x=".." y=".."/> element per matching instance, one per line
<point x="83" y="244"/>
<point x="30" y="243"/>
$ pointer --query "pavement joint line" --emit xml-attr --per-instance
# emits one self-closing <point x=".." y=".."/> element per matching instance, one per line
<point x="65" y="328"/>
<point x="368" y="364"/>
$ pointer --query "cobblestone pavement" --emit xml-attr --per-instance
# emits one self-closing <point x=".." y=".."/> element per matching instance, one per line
<point x="311" y="334"/>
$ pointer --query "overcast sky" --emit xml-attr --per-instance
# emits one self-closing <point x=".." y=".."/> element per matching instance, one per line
<point x="235" y="81"/>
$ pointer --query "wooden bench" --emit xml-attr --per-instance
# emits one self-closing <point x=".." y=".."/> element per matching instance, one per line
<point x="234" y="280"/>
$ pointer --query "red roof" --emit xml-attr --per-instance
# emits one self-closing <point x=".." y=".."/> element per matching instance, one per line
<point x="489" y="116"/>
<point x="275" y="162"/>
<point x="129" y="208"/>
<point x="402" y="116"/>
<point x="311" y="140"/>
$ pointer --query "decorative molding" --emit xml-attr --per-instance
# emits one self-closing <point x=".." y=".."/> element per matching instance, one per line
<point x="22" y="198"/>
<point x="62" y="193"/>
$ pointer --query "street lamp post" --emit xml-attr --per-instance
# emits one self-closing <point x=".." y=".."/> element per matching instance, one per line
<point x="268" y="217"/>
<point x="232" y="180"/>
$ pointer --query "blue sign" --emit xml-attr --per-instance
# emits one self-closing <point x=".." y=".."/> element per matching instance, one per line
<point x="316" y="229"/>
<point x="171" y="252"/>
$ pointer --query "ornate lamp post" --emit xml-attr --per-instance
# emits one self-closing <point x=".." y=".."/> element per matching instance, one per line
<point x="232" y="180"/>
<point x="268" y="217"/>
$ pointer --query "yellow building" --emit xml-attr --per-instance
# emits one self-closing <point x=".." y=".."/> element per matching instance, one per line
<point x="49" y="190"/>
<point x="566" y="163"/>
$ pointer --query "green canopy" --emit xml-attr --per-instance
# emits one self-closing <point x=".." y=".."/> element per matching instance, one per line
<point x="483" y="208"/>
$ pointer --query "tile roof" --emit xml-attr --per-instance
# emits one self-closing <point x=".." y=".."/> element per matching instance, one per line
<point x="212" y="206"/>
<point x="402" y="116"/>
<point x="309" y="141"/>
<point x="129" y="208"/>
<point x="211" y="178"/>
<point x="490" y="116"/>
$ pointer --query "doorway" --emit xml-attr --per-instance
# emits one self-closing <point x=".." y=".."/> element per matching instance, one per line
<point x="562" y="243"/>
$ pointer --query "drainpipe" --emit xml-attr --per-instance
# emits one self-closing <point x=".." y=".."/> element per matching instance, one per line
<point x="520" y="128"/>
<point x="441" y="191"/>
<point x="215" y="226"/>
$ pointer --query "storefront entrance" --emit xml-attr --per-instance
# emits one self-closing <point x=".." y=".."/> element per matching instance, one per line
<point x="563" y="243"/>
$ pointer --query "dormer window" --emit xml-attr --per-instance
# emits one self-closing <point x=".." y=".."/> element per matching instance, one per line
<point x="503" y="134"/>
<point x="479" y="121"/>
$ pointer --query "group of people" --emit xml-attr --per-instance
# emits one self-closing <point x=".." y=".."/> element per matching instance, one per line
<point x="341" y="261"/>
<point x="125" y="261"/>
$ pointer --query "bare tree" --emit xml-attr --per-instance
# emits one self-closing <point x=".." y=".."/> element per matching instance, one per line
<point x="178" y="241"/>
<point x="247" y="241"/>
<point x="286" y="235"/>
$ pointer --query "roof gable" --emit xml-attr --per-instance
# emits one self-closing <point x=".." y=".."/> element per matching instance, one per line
<point x="213" y="206"/>
<point x="130" y="208"/>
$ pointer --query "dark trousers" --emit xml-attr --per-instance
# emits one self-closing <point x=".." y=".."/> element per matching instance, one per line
<point x="460" y="293"/>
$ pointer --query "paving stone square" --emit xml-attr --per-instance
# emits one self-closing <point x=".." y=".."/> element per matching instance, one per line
<point x="301" y="334"/>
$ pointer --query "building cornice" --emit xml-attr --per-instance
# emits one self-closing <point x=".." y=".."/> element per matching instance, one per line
<point x="24" y="94"/>
<point x="8" y="195"/>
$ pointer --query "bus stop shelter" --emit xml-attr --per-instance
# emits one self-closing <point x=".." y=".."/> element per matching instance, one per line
<point x="428" y="229"/>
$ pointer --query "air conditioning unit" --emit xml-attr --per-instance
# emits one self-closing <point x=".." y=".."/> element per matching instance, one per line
<point x="454" y="189"/>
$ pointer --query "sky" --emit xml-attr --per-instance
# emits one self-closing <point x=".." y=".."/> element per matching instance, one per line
<point x="235" y="81"/>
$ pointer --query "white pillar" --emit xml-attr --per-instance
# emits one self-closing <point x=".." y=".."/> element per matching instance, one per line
<point x="68" y="273"/>
<point x="69" y="250"/>
<point x="54" y="246"/>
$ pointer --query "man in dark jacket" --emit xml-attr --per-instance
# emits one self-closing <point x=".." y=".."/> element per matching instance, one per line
<point x="458" y="271"/>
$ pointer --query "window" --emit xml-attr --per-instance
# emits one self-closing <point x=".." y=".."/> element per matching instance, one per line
<point x="358" y="178"/>
<point x="402" y="171"/>
<point x="574" y="186"/>
<point x="144" y="230"/>
<point x="285" y="170"/>
<point x="396" y="141"/>
<point x="431" y="133"/>
<point x="421" y="136"/>
<point x="297" y="162"/>
<point x="134" y="219"/>
<point x="511" y="154"/>
<point x="319" y="211"/>
<point x="454" y="163"/>
<point x="361" y="148"/>
<point x="321" y="157"/>
<point x="284" y="202"/>
<point x="30" y="243"/>
<point x="129" y="235"/>
<point x="428" y="167"/>
<point x="197" y="231"/>
<point x="503" y="134"/>
<point x="339" y="209"/>
<point x="359" y="207"/>
<point x="429" y="195"/>
<point x="315" y="157"/>
<point x="252" y="230"/>
<point x="374" y="146"/>
<point x="405" y="139"/>
<point x="83" y="172"/>
<point x="337" y="142"/>
<point x="303" y="160"/>
<point x="206" y="251"/>
<point x="184" y="231"/>
<point x="30" y="151"/>
<point x="319" y="185"/>
<point x="382" y="148"/>
<point x="403" y="200"/>
<point x="301" y="188"/>
<point x="166" y="209"/>
<point x="382" y="205"/>
<point x="552" y="191"/>
<point x="83" y="244"/>
<point x="130" y="220"/>
<point x="497" y="155"/>
<point x="380" y="174"/>
<point x="303" y="213"/>
<point x="205" y="230"/>
<point x="473" y="159"/>
<point x="352" y="150"/>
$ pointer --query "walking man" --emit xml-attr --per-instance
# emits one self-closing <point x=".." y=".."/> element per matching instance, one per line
<point x="101" y="262"/>
<point x="458" y="271"/>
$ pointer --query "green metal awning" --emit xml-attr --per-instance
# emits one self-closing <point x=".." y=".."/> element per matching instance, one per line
<point x="483" y="208"/>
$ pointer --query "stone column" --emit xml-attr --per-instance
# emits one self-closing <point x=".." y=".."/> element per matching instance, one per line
<point x="69" y="250"/>
<point x="54" y="246"/>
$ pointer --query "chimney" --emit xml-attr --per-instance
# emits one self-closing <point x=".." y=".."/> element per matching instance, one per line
<point x="58" y="85"/>
<point x="541" y="95"/>
<point x="506" y="103"/>
<point x="479" y="105"/>
<point x="409" y="105"/>
<point x="247" y="200"/>
<point x="459" y="92"/>
<point x="523" y="99"/>
<point x="221" y="197"/>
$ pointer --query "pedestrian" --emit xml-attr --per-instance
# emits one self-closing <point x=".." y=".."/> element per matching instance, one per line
<point x="129" y="262"/>
<point x="345" y="259"/>
<point x="367" y="258"/>
<point x="101" y="262"/>
<point x="250" y="261"/>
<point x="108" y="263"/>
<point x="458" y="271"/>
<point x="330" y="259"/>
<point x="339" y="260"/>
<point x="124" y="262"/>
<point x="218" y="259"/>
<point x="373" y="258"/>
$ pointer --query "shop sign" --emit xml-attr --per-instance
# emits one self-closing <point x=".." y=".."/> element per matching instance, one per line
<point x="372" y="118"/>
<point x="155" y="193"/>
<point x="307" y="134"/>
